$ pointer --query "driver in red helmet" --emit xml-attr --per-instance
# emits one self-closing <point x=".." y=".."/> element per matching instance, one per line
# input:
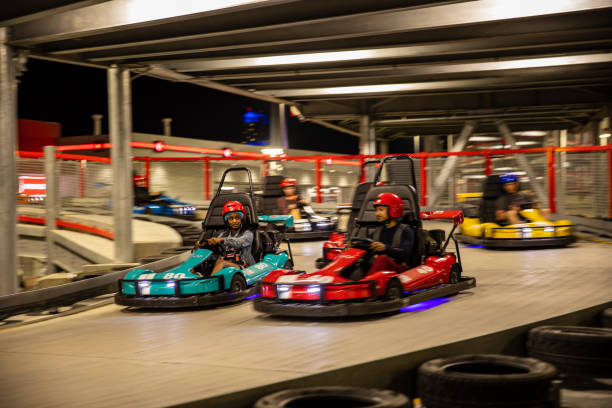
<point x="393" y="241"/>
<point x="290" y="201"/>
<point x="235" y="240"/>
<point x="142" y="196"/>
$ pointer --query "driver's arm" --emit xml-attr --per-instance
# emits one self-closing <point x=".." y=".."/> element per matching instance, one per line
<point x="243" y="241"/>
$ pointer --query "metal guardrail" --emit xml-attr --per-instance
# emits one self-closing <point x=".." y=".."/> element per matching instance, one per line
<point x="70" y="293"/>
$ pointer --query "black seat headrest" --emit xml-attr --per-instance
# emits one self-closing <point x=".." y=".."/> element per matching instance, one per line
<point x="214" y="217"/>
<point x="408" y="194"/>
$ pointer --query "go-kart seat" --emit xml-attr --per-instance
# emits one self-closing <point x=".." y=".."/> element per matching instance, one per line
<point x="367" y="222"/>
<point x="358" y="198"/>
<point x="214" y="223"/>
<point x="491" y="191"/>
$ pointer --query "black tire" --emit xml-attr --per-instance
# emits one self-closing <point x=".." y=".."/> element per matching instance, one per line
<point x="334" y="397"/>
<point x="148" y="211"/>
<point x="320" y="263"/>
<point x="454" y="274"/>
<point x="491" y="380"/>
<point x="606" y="318"/>
<point x="238" y="283"/>
<point x="394" y="290"/>
<point x="573" y="349"/>
<point x="288" y="264"/>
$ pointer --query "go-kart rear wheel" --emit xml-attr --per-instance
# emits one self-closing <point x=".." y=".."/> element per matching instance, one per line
<point x="453" y="276"/>
<point x="238" y="283"/>
<point x="288" y="264"/>
<point x="394" y="290"/>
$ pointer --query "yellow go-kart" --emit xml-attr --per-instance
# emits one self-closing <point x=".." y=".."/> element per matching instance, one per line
<point x="481" y="228"/>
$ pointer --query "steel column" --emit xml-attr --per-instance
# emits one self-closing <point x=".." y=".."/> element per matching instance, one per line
<point x="8" y="181"/>
<point x="147" y="175"/>
<point x="82" y="168"/>
<point x="120" y="130"/>
<point x="522" y="161"/>
<point x="451" y="162"/>
<point x="550" y="161"/>
<point x="367" y="140"/>
<point x="318" y="180"/>
<point x="206" y="179"/>
<point x="278" y="126"/>
<point x="51" y="212"/>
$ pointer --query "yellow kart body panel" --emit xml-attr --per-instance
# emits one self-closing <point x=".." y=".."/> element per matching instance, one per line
<point x="537" y="227"/>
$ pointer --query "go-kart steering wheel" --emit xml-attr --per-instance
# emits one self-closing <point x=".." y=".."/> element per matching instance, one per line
<point x="361" y="243"/>
<point x="216" y="248"/>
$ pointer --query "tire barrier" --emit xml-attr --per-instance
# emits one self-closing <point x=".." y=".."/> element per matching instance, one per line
<point x="70" y="293"/>
<point x="491" y="380"/>
<point x="573" y="349"/>
<point x="606" y="318"/>
<point x="337" y="397"/>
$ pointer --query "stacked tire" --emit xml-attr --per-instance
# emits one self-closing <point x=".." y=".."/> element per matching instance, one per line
<point x="339" y="397"/>
<point x="574" y="350"/>
<point x="487" y="380"/>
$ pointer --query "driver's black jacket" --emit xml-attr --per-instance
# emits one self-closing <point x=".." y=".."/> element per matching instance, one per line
<point x="402" y="252"/>
<point x="518" y="199"/>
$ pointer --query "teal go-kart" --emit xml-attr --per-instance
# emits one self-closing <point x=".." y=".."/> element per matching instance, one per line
<point x="191" y="284"/>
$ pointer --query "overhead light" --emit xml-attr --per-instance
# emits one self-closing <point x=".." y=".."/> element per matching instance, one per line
<point x="503" y="169"/>
<point x="484" y="139"/>
<point x="531" y="133"/>
<point x="526" y="143"/>
<point x="272" y="152"/>
<point x="605" y="135"/>
<point x="227" y="188"/>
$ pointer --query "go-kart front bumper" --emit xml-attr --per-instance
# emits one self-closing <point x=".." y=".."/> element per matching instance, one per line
<point x="178" y="299"/>
<point x="274" y="306"/>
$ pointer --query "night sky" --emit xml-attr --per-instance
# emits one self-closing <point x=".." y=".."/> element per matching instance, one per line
<point x="70" y="94"/>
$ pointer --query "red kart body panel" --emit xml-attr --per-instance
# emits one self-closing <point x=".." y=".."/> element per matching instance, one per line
<point x="329" y="284"/>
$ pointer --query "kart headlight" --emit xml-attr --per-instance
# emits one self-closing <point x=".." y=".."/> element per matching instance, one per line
<point x="282" y="288"/>
<point x="170" y="284"/>
<point x="144" y="284"/>
<point x="549" y="229"/>
<point x="312" y="289"/>
<point x="526" y="232"/>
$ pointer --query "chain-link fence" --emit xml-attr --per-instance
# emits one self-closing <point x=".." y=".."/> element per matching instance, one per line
<point x="583" y="184"/>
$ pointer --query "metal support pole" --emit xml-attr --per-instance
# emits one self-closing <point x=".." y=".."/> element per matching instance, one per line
<point x="206" y="179"/>
<point x="550" y="161"/>
<point x="610" y="183"/>
<point x="522" y="161"/>
<point x="423" y="181"/>
<point x="51" y="212"/>
<point x="451" y="162"/>
<point x="8" y="180"/>
<point x="278" y="126"/>
<point x="384" y="147"/>
<point x="488" y="164"/>
<point x="264" y="168"/>
<point x="82" y="170"/>
<point x="367" y="138"/>
<point x="147" y="175"/>
<point x="120" y="130"/>
<point x="318" y="180"/>
<point x="362" y="173"/>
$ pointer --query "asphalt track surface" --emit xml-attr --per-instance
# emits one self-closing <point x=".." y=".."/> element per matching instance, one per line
<point x="112" y="356"/>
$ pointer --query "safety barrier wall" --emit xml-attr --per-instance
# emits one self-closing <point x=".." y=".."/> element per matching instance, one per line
<point x="580" y="176"/>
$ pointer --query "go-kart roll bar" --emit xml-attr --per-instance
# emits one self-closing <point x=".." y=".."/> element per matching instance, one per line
<point x="236" y="169"/>
<point x="398" y="157"/>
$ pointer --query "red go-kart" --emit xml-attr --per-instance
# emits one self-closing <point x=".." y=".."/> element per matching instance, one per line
<point x="344" y="288"/>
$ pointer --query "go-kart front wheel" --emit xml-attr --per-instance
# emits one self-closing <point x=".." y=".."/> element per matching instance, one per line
<point x="238" y="283"/>
<point x="394" y="290"/>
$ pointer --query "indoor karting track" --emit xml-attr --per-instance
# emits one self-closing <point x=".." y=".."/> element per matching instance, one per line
<point x="112" y="356"/>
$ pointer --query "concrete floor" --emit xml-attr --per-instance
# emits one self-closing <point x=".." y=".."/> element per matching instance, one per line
<point x="113" y="356"/>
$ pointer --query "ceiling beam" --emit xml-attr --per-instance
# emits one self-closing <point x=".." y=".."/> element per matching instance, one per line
<point x="123" y="14"/>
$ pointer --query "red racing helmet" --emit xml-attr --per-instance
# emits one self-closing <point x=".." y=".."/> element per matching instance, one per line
<point x="393" y="202"/>
<point x="288" y="182"/>
<point x="233" y="206"/>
